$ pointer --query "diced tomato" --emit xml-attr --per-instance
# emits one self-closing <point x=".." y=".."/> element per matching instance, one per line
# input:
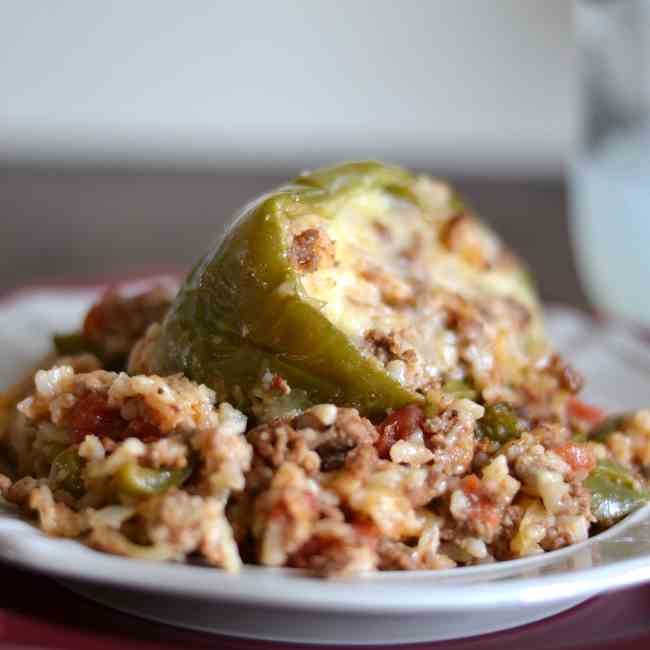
<point x="397" y="426"/>
<point x="471" y="485"/>
<point x="92" y="415"/>
<point x="580" y="410"/>
<point x="280" y="385"/>
<point x="367" y="531"/>
<point x="314" y="552"/>
<point x="140" y="428"/>
<point x="482" y="509"/>
<point x="578" y="456"/>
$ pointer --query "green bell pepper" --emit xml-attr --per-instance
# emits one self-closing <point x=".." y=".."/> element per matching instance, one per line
<point x="73" y="343"/>
<point x="608" y="426"/>
<point x="70" y="344"/>
<point x="65" y="471"/>
<point x="500" y="423"/>
<point x="244" y="309"/>
<point x="614" y="492"/>
<point x="460" y="389"/>
<point x="134" y="480"/>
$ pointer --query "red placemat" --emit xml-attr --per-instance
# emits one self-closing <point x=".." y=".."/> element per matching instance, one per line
<point x="35" y="611"/>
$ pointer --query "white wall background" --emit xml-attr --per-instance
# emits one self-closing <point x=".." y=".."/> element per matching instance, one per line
<point x="483" y="85"/>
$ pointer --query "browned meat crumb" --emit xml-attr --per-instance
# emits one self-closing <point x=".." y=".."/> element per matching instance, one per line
<point x="116" y="321"/>
<point x="336" y="549"/>
<point x="463" y="235"/>
<point x="311" y="250"/>
<point x="567" y="376"/>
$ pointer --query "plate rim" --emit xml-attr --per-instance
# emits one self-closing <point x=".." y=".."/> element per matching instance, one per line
<point x="22" y="544"/>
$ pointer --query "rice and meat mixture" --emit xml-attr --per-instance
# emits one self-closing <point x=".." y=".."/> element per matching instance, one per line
<point x="153" y="467"/>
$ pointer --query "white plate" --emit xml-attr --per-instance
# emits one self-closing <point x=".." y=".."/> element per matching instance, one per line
<point x="390" y="607"/>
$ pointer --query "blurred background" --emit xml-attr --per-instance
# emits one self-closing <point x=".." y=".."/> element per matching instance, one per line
<point x="475" y="86"/>
<point x="129" y="132"/>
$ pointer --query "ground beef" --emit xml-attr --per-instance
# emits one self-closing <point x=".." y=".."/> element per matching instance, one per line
<point x="278" y="442"/>
<point x="116" y="321"/>
<point x="337" y="549"/>
<point x="311" y="250"/>
<point x="395" y="556"/>
<point x="568" y="378"/>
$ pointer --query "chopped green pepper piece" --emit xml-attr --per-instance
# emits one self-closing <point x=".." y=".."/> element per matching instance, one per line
<point x="74" y="343"/>
<point x="431" y="409"/>
<point x="65" y="471"/>
<point x="134" y="480"/>
<point x="614" y="492"/>
<point x="70" y="344"/>
<point x="252" y="304"/>
<point x="608" y="426"/>
<point x="460" y="389"/>
<point x="499" y="423"/>
<point x="271" y="407"/>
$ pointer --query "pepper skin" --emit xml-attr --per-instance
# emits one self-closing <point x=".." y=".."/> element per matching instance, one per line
<point x="253" y="305"/>
<point x="134" y="480"/>
<point x="614" y="492"/>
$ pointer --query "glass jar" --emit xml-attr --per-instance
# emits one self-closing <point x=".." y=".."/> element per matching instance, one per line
<point x="610" y="175"/>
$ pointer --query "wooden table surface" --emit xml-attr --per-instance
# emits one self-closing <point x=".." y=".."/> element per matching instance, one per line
<point x="62" y="223"/>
